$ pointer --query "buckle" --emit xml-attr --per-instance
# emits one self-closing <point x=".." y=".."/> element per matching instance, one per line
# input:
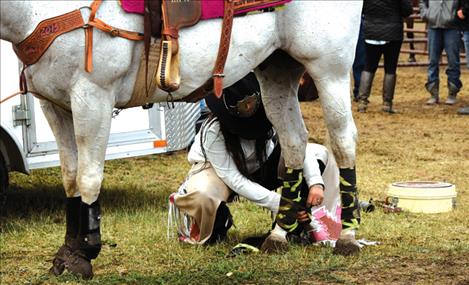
<point x="114" y="33"/>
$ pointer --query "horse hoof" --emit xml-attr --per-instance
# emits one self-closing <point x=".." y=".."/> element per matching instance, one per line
<point x="57" y="269"/>
<point x="58" y="264"/>
<point x="346" y="246"/>
<point x="274" y="244"/>
<point x="80" y="266"/>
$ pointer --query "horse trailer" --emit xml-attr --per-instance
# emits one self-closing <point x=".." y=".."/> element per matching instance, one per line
<point x="27" y="142"/>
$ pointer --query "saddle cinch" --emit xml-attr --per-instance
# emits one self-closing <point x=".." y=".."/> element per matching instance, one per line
<point x="164" y="19"/>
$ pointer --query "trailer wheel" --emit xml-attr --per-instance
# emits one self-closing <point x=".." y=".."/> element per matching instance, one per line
<point x="3" y="181"/>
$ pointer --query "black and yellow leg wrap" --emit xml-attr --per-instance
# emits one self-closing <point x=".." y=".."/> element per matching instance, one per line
<point x="291" y="200"/>
<point x="349" y="197"/>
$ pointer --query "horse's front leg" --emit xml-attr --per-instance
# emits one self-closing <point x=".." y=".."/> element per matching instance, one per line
<point x="92" y="113"/>
<point x="334" y="94"/>
<point x="61" y="123"/>
<point x="279" y="86"/>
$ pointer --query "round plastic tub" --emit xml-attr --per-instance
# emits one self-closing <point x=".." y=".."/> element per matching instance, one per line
<point x="423" y="196"/>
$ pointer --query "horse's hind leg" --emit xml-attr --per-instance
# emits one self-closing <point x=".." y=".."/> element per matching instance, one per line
<point x="61" y="123"/>
<point x="92" y="113"/>
<point x="279" y="86"/>
<point x="334" y="93"/>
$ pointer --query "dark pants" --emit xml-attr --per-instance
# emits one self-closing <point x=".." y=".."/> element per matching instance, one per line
<point x="390" y="51"/>
<point x="359" y="62"/>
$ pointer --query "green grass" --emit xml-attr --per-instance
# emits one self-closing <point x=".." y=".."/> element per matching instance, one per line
<point x="419" y="143"/>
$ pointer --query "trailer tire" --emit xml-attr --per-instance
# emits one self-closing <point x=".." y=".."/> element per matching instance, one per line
<point x="3" y="181"/>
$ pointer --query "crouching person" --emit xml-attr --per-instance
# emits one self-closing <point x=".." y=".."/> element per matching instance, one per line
<point x="236" y="153"/>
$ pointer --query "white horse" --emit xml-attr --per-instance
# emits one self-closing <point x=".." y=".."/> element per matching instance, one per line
<point x="319" y="36"/>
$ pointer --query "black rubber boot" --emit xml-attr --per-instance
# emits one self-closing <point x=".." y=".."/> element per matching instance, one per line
<point x="72" y="223"/>
<point x="366" y="81"/>
<point x="389" y="85"/>
<point x="89" y="239"/>
<point x="347" y="244"/>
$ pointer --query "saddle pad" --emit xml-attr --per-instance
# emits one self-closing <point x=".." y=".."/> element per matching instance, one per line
<point x="214" y="9"/>
<point x="210" y="8"/>
<point x="133" y="6"/>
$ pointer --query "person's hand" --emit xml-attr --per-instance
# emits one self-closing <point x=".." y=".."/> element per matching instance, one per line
<point x="303" y="217"/>
<point x="315" y="196"/>
<point x="461" y="14"/>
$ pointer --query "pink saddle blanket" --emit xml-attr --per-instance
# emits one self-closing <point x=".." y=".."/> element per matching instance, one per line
<point x="210" y="8"/>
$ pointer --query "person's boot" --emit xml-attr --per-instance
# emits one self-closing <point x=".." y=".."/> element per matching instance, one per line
<point x="434" y="89"/>
<point x="89" y="238"/>
<point x="72" y="214"/>
<point x="463" y="111"/>
<point x="452" y="92"/>
<point x="389" y="84"/>
<point x="366" y="80"/>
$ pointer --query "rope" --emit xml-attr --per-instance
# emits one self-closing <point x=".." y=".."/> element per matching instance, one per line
<point x="35" y="94"/>
<point x="11" y="96"/>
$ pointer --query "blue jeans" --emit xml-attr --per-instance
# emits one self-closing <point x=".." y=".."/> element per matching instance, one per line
<point x="447" y="39"/>
<point x="359" y="62"/>
<point x="466" y="46"/>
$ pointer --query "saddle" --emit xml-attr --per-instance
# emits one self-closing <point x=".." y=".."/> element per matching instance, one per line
<point x="175" y="15"/>
<point x="164" y="18"/>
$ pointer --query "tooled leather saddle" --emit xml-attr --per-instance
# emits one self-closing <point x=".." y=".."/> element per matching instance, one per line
<point x="164" y="18"/>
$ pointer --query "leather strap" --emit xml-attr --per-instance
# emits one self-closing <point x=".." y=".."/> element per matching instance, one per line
<point x="115" y="32"/>
<point x="171" y="32"/>
<point x="145" y="83"/>
<point x="247" y="4"/>
<point x="223" y="48"/>
<point x="89" y="37"/>
<point x="23" y="81"/>
<point x="30" y="50"/>
<point x="199" y="93"/>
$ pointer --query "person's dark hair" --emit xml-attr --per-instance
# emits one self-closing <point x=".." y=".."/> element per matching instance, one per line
<point x="233" y="145"/>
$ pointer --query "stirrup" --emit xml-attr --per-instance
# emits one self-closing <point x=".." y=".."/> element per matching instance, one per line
<point x="167" y="76"/>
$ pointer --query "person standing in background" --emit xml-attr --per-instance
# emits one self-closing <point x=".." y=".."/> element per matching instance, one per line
<point x="359" y="62"/>
<point x="443" y="33"/>
<point x="463" y="15"/>
<point x="384" y="31"/>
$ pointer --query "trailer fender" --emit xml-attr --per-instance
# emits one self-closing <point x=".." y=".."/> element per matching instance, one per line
<point x="12" y="152"/>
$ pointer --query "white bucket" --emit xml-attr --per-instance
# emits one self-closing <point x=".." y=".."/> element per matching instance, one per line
<point x="423" y="196"/>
